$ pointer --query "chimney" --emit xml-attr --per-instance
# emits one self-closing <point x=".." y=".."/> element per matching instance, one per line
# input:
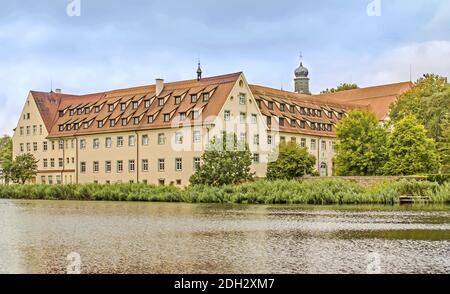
<point x="159" y="86"/>
<point x="58" y="91"/>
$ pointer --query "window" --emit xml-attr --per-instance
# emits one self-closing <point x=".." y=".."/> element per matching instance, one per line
<point x="135" y="104"/>
<point x="178" y="164"/>
<point x="87" y="110"/>
<point x="120" y="141"/>
<point x="270" y="105"/>
<point x="35" y="146"/>
<point x="96" y="143"/>
<point x="71" y="112"/>
<point x="178" y="138"/>
<point x="196" y="163"/>
<point x="136" y="120"/>
<point x="182" y="116"/>
<point x="150" y="119"/>
<point x="79" y="111"/>
<point x="110" y="107"/>
<point x="119" y="166"/>
<point x="131" y="166"/>
<point x="68" y="127"/>
<point x="293" y="140"/>
<point x="86" y="125"/>
<point x="28" y="147"/>
<point x="195" y="114"/>
<point x="28" y="130"/>
<point x="107" y="166"/>
<point x="205" y="97"/>
<point x="45" y="162"/>
<point x="34" y="129"/>
<point x="313" y="144"/>
<point x="256" y="139"/>
<point x="269" y="140"/>
<point x="302" y="124"/>
<point x="68" y="160"/>
<point x="177" y="99"/>
<point x="53" y="145"/>
<point x="254" y="118"/>
<point x="95" y="166"/>
<point x="281" y="121"/>
<point x="43" y="180"/>
<point x="333" y="144"/>
<point x="100" y="124"/>
<point x="242" y="98"/>
<point x="226" y="115"/>
<point x="340" y="115"/>
<point x="145" y="165"/>
<point x="161" y="139"/>
<point x="147" y="103"/>
<point x="282" y="107"/>
<point x="161" y="164"/>
<point x="167" y="117"/>
<point x="76" y="126"/>
<point x="242" y="117"/>
<point x="60" y="144"/>
<point x="293" y="123"/>
<point x="82" y="144"/>
<point x="282" y="139"/>
<point x="194" y="98"/>
<point x="243" y="137"/>
<point x="22" y="148"/>
<point x="144" y="140"/>
<point x="178" y="182"/>
<point x="60" y="162"/>
<point x="196" y="136"/>
<point x="61" y="113"/>
<point x="124" y="121"/>
<point x="323" y="145"/>
<point x="97" y="109"/>
<point x="50" y="180"/>
<point x="108" y="142"/>
<point x="58" y="179"/>
<point x="112" y="122"/>
<point x="255" y="158"/>
<point x="269" y="120"/>
<point x="291" y="108"/>
<point x="131" y="140"/>
<point x="82" y="167"/>
<point x="303" y="142"/>
<point x="21" y="131"/>
<point x="161" y="101"/>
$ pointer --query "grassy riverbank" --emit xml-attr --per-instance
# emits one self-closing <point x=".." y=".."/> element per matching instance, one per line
<point x="259" y="192"/>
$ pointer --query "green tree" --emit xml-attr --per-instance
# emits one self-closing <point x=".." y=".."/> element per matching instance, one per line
<point x="361" y="145"/>
<point x="341" y="87"/>
<point x="23" y="168"/>
<point x="289" y="162"/>
<point x="410" y="151"/>
<point x="429" y="101"/>
<point x="225" y="161"/>
<point x="6" y="156"/>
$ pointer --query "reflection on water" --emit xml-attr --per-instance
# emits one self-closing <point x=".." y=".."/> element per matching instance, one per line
<point x="113" y="237"/>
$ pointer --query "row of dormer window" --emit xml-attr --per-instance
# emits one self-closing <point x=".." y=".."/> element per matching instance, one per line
<point x="303" y="110"/>
<point x="301" y="124"/>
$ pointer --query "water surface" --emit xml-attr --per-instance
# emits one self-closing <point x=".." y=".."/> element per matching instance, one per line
<point x="125" y="237"/>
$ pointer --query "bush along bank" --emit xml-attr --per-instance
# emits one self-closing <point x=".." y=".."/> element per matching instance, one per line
<point x="320" y="192"/>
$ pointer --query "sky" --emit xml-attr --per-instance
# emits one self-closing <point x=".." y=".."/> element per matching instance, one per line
<point x="85" y="46"/>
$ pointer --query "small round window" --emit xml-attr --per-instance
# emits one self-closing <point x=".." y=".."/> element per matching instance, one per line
<point x="241" y="83"/>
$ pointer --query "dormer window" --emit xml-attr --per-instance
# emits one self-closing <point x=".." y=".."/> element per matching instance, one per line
<point x="147" y="103"/>
<point x="282" y="107"/>
<point x="259" y="103"/>
<point x="112" y="122"/>
<point x="71" y="112"/>
<point x="135" y="104"/>
<point x="205" y="97"/>
<point x="194" y="98"/>
<point x="110" y="107"/>
<point x="100" y="124"/>
<point x="61" y="113"/>
<point x="166" y="117"/>
<point x="161" y="101"/>
<point x="124" y="121"/>
<point x="68" y="127"/>
<point x="177" y="100"/>
<point x="293" y="123"/>
<point x="79" y="111"/>
<point x="281" y="121"/>
<point x="97" y="109"/>
<point x="136" y="120"/>
<point x="87" y="110"/>
<point x="319" y="113"/>
<point x="195" y="114"/>
<point x="340" y="115"/>
<point x="302" y="124"/>
<point x="123" y="106"/>
<point x="61" y="128"/>
<point x="269" y="120"/>
<point x="86" y="125"/>
<point x="76" y="126"/>
<point x="150" y="119"/>
<point x="291" y="108"/>
<point x="270" y="105"/>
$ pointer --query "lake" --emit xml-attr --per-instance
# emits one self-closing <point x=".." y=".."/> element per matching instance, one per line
<point x="128" y="237"/>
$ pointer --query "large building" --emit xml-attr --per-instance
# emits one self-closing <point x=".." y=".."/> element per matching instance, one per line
<point x="157" y="133"/>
